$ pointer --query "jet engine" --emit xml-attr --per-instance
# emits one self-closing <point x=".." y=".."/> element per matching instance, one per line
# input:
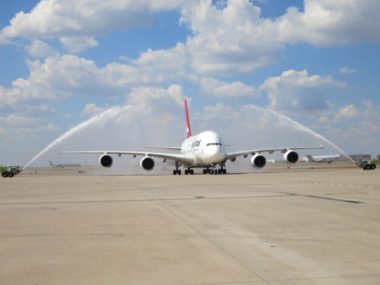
<point x="147" y="163"/>
<point x="105" y="160"/>
<point x="258" y="161"/>
<point x="291" y="156"/>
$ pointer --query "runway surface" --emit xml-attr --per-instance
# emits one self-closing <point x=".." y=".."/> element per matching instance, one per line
<point x="303" y="227"/>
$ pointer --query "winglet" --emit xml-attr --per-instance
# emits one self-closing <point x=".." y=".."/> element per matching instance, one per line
<point x="188" y="129"/>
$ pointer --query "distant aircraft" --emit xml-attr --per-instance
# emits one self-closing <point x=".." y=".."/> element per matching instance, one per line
<point x="322" y="158"/>
<point x="204" y="150"/>
<point x="63" y="165"/>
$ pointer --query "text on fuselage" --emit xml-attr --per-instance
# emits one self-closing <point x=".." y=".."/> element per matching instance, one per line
<point x="195" y="144"/>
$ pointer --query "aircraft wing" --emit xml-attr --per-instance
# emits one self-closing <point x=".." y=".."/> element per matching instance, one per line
<point x="184" y="159"/>
<point x="323" y="158"/>
<point x="245" y="153"/>
<point x="177" y="148"/>
<point x="328" y="157"/>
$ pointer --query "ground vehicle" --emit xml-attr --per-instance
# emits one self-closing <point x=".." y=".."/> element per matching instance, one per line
<point x="367" y="165"/>
<point x="11" y="171"/>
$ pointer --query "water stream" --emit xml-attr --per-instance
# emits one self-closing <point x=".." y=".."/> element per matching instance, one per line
<point x="94" y="120"/>
<point x="301" y="127"/>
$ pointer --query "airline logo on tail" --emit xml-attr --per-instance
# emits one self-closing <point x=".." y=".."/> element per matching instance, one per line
<point x="188" y="129"/>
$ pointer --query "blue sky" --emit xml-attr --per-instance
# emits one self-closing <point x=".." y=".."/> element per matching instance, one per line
<point x="63" y="62"/>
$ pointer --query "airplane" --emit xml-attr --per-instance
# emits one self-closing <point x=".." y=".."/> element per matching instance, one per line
<point x="322" y="158"/>
<point x="204" y="150"/>
<point x="63" y="165"/>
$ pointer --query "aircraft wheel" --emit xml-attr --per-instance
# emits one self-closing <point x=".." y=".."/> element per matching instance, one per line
<point x="224" y="171"/>
<point x="179" y="172"/>
<point x="10" y="174"/>
<point x="174" y="172"/>
<point x="186" y="171"/>
<point x="4" y="174"/>
<point x="191" y="171"/>
<point x="205" y="171"/>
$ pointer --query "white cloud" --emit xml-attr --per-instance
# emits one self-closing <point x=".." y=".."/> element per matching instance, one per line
<point x="3" y="39"/>
<point x="347" y="112"/>
<point x="347" y="70"/>
<point x="360" y="135"/>
<point x="232" y="39"/>
<point x="157" y="66"/>
<point x="213" y="87"/>
<point x="83" y="18"/>
<point x="68" y="116"/>
<point x="40" y="49"/>
<point x="226" y="39"/>
<point x="89" y="110"/>
<point x="62" y="76"/>
<point x="147" y="95"/>
<point x="321" y="22"/>
<point x="78" y="44"/>
<point x="323" y="119"/>
<point x="297" y="90"/>
<point x="249" y="45"/>
<point x="16" y="120"/>
<point x="3" y="131"/>
<point x="54" y="78"/>
<point x="235" y="38"/>
<point x="326" y="22"/>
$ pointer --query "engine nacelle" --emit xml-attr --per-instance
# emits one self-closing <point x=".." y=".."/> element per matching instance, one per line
<point x="106" y="160"/>
<point x="291" y="156"/>
<point x="147" y="163"/>
<point x="258" y="161"/>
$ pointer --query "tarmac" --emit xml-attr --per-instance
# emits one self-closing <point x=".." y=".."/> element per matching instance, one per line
<point x="301" y="226"/>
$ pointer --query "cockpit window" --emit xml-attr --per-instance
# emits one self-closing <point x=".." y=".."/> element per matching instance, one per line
<point x="213" y="144"/>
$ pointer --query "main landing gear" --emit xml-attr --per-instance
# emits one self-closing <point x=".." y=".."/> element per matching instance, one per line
<point x="221" y="170"/>
<point x="177" y="170"/>
<point x="208" y="170"/>
<point x="187" y="171"/>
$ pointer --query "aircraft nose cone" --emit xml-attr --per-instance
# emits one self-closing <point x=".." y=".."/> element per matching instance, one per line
<point x="216" y="154"/>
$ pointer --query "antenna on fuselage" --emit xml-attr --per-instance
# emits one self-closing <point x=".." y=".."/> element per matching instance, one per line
<point x="188" y="128"/>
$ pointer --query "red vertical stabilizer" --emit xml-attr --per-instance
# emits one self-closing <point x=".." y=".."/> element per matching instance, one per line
<point x="188" y="129"/>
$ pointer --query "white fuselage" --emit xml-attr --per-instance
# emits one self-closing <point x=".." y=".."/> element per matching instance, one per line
<point x="205" y="148"/>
